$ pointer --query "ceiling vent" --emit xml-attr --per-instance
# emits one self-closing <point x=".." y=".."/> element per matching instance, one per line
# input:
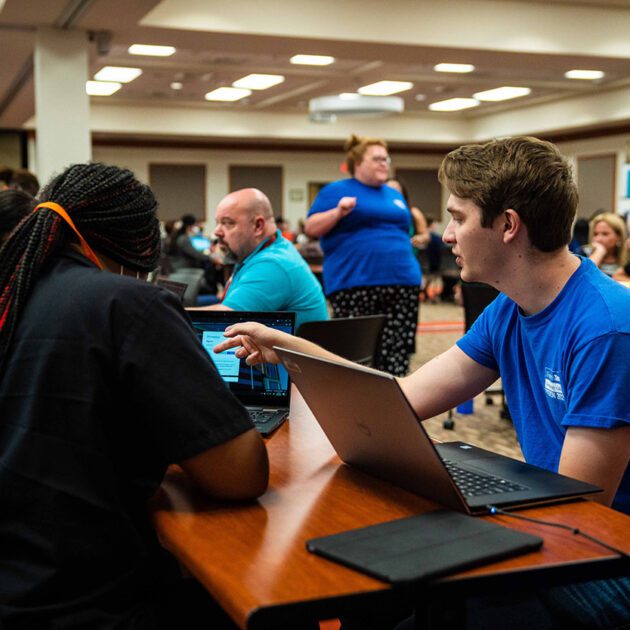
<point x="328" y="108"/>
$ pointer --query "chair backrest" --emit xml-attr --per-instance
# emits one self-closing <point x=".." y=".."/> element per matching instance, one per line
<point x="476" y="297"/>
<point x="448" y="264"/>
<point x="354" y="338"/>
<point x="193" y="278"/>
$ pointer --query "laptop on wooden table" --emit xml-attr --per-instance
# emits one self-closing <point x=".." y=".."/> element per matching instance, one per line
<point x="265" y="390"/>
<point x="370" y="423"/>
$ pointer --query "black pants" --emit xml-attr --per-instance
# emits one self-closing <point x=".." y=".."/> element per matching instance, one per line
<point x="400" y="305"/>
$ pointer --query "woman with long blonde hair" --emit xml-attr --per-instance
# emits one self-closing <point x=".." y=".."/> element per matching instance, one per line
<point x="608" y="238"/>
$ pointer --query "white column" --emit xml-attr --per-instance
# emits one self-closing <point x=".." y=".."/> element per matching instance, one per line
<point x="62" y="108"/>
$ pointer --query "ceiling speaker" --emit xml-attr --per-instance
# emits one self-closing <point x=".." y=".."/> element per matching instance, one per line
<point x="328" y="108"/>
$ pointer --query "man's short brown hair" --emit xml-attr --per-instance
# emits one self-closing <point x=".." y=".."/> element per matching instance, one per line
<point x="525" y="174"/>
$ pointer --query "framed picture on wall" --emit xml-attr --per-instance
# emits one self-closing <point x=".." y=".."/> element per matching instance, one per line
<point x="313" y="191"/>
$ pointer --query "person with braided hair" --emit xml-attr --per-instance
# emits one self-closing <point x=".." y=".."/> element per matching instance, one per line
<point x="92" y="413"/>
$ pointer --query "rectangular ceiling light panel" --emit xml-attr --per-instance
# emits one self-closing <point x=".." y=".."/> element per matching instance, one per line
<point x="117" y="73"/>
<point x="312" y="60"/>
<point x="385" y="88"/>
<point x="585" y="75"/>
<point x="258" y="81"/>
<point x="453" y="104"/>
<point x="504" y="93"/>
<point x="101" y="88"/>
<point x="151" y="50"/>
<point x="227" y="94"/>
<point x="459" y="68"/>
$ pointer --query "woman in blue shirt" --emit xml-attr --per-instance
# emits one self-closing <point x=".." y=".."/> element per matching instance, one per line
<point x="369" y="267"/>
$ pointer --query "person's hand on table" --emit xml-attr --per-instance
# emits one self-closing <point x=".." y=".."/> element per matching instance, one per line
<point x="255" y="342"/>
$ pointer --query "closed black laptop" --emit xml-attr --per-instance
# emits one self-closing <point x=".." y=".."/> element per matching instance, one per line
<point x="372" y="426"/>
<point x="423" y="546"/>
<point x="265" y="389"/>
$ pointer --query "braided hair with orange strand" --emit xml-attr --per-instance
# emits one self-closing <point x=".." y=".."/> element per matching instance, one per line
<point x="111" y="209"/>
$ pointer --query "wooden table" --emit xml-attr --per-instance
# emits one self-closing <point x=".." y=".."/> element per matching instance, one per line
<point x="252" y="557"/>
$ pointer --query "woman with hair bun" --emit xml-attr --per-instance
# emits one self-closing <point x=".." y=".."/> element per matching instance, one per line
<point x="103" y="385"/>
<point x="369" y="267"/>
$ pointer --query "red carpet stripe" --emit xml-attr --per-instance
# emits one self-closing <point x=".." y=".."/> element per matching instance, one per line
<point x="440" y="326"/>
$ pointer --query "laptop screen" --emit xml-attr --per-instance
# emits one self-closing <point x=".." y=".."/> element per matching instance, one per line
<point x="267" y="384"/>
<point x="200" y="243"/>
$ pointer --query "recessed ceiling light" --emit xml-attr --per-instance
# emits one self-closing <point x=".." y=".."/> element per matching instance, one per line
<point x="177" y="85"/>
<point x="258" y="81"/>
<point x="312" y="60"/>
<point x="227" y="94"/>
<point x="588" y="75"/>
<point x="385" y="88"/>
<point x="420" y="97"/>
<point x="150" y="50"/>
<point x="453" y="104"/>
<point x="502" y="93"/>
<point x="461" y="68"/>
<point x="117" y="73"/>
<point x="349" y="96"/>
<point x="101" y="88"/>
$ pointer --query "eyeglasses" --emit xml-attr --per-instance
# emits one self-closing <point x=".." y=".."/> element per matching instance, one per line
<point x="380" y="159"/>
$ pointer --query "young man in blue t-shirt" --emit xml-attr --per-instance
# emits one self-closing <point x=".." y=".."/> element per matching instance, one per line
<point x="558" y="334"/>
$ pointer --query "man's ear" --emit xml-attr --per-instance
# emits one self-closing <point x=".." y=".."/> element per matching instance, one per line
<point x="259" y="223"/>
<point x="511" y="224"/>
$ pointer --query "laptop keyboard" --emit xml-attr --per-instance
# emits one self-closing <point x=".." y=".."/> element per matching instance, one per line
<point x="263" y="416"/>
<point x="267" y="420"/>
<point x="473" y="484"/>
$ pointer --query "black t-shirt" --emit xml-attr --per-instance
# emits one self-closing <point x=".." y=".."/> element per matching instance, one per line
<point x="104" y="387"/>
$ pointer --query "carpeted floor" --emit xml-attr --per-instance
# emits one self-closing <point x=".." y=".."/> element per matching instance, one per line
<point x="441" y="325"/>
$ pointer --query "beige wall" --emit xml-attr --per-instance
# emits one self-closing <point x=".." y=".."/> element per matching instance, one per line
<point x="617" y="145"/>
<point x="10" y="150"/>
<point x="299" y="168"/>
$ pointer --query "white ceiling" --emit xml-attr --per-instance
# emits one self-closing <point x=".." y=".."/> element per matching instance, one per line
<point x="528" y="44"/>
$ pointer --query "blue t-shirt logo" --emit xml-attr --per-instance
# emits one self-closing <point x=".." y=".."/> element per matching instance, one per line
<point x="553" y="385"/>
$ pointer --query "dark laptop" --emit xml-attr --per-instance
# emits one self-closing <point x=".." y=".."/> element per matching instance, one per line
<point x="263" y="389"/>
<point x="372" y="426"/>
<point x="178" y="288"/>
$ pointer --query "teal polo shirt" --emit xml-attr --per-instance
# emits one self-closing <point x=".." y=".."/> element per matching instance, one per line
<point x="276" y="278"/>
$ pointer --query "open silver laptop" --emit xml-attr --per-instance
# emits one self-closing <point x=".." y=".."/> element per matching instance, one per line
<point x="371" y="425"/>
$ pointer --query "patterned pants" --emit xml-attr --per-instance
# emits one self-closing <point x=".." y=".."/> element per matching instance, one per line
<point x="400" y="305"/>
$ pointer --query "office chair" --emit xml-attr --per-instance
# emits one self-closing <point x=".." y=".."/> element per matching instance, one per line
<point x="476" y="297"/>
<point x="193" y="278"/>
<point x="449" y="273"/>
<point x="353" y="338"/>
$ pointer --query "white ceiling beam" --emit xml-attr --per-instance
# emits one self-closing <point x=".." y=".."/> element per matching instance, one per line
<point x="215" y="122"/>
